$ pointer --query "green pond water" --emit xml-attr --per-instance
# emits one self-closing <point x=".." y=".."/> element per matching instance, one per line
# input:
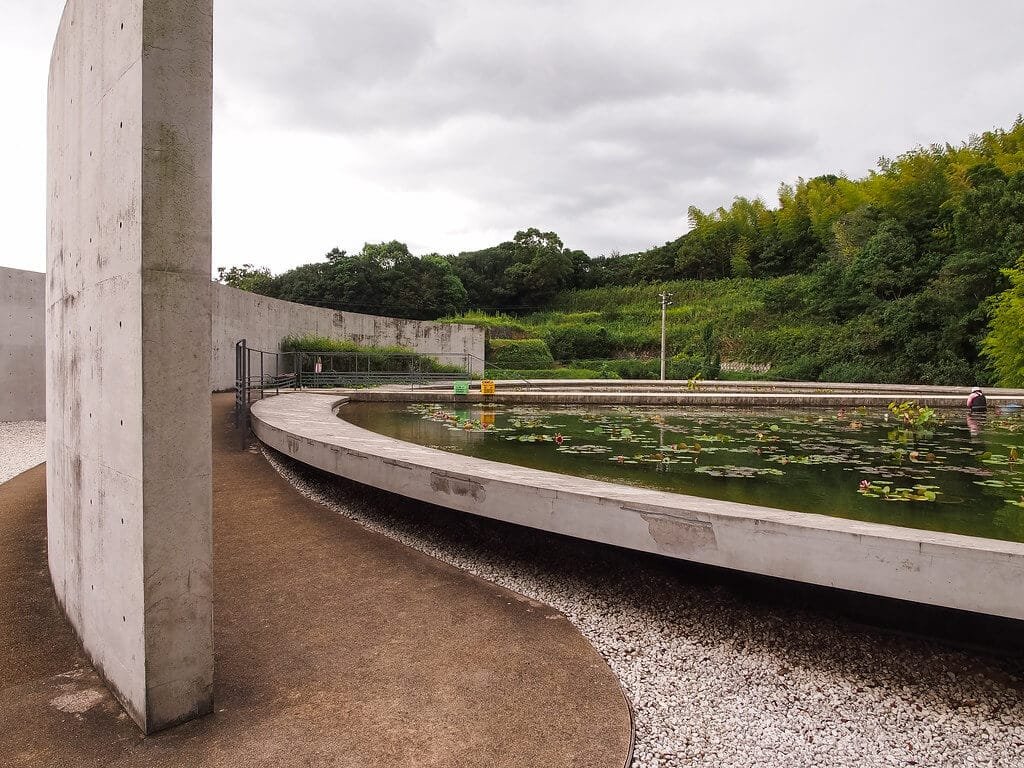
<point x="963" y="475"/>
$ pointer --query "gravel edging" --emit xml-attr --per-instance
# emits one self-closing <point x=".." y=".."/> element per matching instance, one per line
<point x="22" y="446"/>
<point x="714" y="680"/>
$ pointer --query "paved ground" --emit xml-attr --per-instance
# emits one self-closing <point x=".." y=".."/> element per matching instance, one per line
<point x="335" y="647"/>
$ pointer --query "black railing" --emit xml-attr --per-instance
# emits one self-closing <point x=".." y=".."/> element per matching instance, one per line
<point x="258" y="372"/>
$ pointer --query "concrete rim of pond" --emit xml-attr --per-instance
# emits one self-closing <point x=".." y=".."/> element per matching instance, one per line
<point x="930" y="567"/>
<point x="678" y="393"/>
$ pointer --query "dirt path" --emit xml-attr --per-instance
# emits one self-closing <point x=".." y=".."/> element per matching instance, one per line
<point x="334" y="646"/>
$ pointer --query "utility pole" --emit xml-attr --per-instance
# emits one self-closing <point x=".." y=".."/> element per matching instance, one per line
<point x="664" y="305"/>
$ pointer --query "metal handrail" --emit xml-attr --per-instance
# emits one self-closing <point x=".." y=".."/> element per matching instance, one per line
<point x="257" y="371"/>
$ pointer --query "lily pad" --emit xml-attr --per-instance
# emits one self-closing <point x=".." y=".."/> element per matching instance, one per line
<point x="733" y="471"/>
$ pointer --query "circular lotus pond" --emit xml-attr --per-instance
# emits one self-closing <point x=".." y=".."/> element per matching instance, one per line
<point x="960" y="474"/>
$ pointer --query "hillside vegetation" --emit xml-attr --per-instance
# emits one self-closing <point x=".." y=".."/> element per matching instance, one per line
<point x="893" y="276"/>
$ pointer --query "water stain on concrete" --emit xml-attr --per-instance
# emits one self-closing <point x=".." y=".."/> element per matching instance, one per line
<point x="457" y="486"/>
<point x="681" y="534"/>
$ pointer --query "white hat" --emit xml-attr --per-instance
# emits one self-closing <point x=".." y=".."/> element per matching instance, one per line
<point x="976" y="389"/>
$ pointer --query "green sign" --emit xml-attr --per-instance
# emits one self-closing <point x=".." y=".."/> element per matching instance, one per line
<point x="461" y="388"/>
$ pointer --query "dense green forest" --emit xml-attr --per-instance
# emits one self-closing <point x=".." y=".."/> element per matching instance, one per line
<point x="907" y="274"/>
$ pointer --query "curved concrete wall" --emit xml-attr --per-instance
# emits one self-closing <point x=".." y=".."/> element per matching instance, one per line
<point x="235" y="315"/>
<point x="263" y="322"/>
<point x="923" y="566"/>
<point x="128" y="347"/>
<point x="22" y="356"/>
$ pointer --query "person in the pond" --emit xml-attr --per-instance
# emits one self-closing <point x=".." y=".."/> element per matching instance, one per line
<point x="976" y="402"/>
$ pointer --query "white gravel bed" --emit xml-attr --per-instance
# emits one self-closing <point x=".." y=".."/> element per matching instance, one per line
<point x="22" y="446"/>
<point x="716" y="680"/>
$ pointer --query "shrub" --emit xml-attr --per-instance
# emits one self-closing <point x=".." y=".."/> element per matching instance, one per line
<point x="498" y="326"/>
<point x="855" y="371"/>
<point x="575" y="341"/>
<point x="684" y="367"/>
<point x="623" y="368"/>
<point x="711" y="359"/>
<point x="520" y="354"/>
<point x="545" y="373"/>
<point x="805" y="368"/>
<point x="607" y="373"/>
<point x="344" y="356"/>
<point x="950" y="370"/>
<point x="637" y="369"/>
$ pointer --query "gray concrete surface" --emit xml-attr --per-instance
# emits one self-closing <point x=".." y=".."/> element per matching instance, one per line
<point x="928" y="567"/>
<point x="128" y="347"/>
<point x="263" y="322"/>
<point x="22" y="357"/>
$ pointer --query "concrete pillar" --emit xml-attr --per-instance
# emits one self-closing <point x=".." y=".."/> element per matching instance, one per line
<point x="128" y="347"/>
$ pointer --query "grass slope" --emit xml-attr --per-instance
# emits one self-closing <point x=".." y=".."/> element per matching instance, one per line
<point x="755" y="321"/>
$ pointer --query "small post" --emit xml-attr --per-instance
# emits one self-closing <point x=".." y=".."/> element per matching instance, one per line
<point x="664" y="306"/>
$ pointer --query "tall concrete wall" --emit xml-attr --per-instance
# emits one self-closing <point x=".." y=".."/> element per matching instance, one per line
<point x="22" y="357"/>
<point x="264" y="322"/>
<point x="128" y="347"/>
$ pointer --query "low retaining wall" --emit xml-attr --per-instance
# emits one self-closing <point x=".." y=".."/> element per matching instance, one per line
<point x="942" y="569"/>
<point x="552" y="396"/>
<point x="23" y="357"/>
<point x="892" y="391"/>
<point x="263" y="322"/>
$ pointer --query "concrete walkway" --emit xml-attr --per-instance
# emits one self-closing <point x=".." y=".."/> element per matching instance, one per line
<point x="335" y="647"/>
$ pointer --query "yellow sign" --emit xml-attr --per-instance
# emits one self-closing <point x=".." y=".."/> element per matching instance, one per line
<point x="486" y="387"/>
<point x="487" y="419"/>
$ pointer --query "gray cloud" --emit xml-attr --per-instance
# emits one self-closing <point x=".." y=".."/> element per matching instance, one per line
<point x="350" y="67"/>
<point x="599" y="120"/>
<point x="558" y="113"/>
<point x="452" y="123"/>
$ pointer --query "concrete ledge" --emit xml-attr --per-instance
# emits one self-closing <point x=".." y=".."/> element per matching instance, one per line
<point x="902" y="391"/>
<point x="569" y="395"/>
<point x="961" y="572"/>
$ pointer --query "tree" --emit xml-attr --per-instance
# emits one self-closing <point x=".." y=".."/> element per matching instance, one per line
<point x="423" y="288"/>
<point x="246" y="277"/>
<point x="889" y="265"/>
<point x="1004" y="344"/>
<point x="308" y="284"/>
<point x="526" y="271"/>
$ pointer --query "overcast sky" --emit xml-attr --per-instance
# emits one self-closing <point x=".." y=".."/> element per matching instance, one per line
<point x="450" y="125"/>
